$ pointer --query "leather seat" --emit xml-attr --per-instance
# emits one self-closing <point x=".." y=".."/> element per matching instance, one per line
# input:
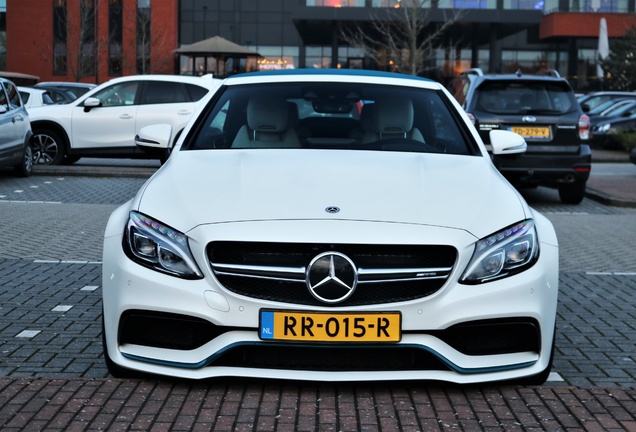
<point x="392" y="118"/>
<point x="268" y="126"/>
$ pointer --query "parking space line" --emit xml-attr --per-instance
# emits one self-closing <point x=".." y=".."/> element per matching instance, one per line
<point x="28" y="334"/>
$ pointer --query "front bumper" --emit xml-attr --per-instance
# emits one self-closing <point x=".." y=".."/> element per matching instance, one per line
<point x="231" y="345"/>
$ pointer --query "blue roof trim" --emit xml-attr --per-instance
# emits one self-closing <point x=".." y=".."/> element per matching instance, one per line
<point x="324" y="72"/>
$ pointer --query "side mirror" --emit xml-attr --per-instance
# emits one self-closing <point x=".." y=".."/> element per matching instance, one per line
<point x="154" y="136"/>
<point x="585" y="107"/>
<point x="3" y="109"/>
<point x="91" y="103"/>
<point x="507" y="143"/>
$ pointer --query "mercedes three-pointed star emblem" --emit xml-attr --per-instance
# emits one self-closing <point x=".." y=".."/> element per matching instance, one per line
<point x="331" y="277"/>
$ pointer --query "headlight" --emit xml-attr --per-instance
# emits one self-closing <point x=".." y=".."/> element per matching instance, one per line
<point x="155" y="245"/>
<point x="503" y="254"/>
<point x="604" y="127"/>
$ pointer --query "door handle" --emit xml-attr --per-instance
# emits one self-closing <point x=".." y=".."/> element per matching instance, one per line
<point x="125" y="116"/>
<point x="184" y="112"/>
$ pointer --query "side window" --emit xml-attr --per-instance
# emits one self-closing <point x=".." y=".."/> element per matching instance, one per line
<point x="13" y="95"/>
<point x="3" y="98"/>
<point x="46" y="98"/>
<point x="25" y="96"/>
<point x="118" y="94"/>
<point x="196" y="92"/>
<point x="163" y="92"/>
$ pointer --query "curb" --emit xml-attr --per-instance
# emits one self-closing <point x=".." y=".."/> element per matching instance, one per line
<point x="606" y="199"/>
<point x="91" y="171"/>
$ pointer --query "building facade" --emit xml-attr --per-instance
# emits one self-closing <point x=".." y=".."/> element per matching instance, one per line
<point x="94" y="40"/>
<point x="495" y="35"/>
<point x="91" y="40"/>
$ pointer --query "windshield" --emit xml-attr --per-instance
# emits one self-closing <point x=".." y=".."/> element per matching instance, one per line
<point x="621" y="108"/>
<point x="332" y="115"/>
<point x="525" y="97"/>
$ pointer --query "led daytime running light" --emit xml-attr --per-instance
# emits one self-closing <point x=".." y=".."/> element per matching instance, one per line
<point x="502" y="254"/>
<point x="171" y="251"/>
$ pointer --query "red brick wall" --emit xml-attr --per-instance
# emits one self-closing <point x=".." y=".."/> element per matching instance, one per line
<point x="30" y="37"/>
<point x="569" y="24"/>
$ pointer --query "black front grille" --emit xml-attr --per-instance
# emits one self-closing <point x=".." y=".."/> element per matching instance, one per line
<point x="491" y="337"/>
<point x="299" y="255"/>
<point x="163" y="330"/>
<point x="329" y="358"/>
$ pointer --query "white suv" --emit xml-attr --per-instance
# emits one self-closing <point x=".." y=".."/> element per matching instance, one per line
<point x="105" y="121"/>
<point x="15" y="131"/>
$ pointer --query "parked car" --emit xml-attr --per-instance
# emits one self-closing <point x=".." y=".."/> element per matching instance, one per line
<point x="32" y="97"/>
<point x="632" y="155"/>
<point x="607" y="132"/>
<point x="76" y="89"/>
<point x="622" y="109"/>
<point x="600" y="109"/>
<point x="592" y="100"/>
<point x="15" y="130"/>
<point x="606" y="126"/>
<point x="104" y="122"/>
<point x="333" y="225"/>
<point x="545" y="112"/>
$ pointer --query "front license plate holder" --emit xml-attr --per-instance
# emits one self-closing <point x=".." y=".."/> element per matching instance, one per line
<point x="330" y="327"/>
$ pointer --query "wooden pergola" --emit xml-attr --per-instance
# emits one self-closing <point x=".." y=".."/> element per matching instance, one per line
<point x="219" y="57"/>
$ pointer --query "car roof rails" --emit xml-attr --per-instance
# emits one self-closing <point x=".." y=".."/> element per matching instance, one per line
<point x="473" y="71"/>
<point x="549" y="72"/>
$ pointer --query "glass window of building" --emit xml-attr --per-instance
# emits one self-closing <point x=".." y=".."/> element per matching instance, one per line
<point x="87" y="49"/>
<point x="524" y="4"/>
<point x="318" y="57"/>
<point x="143" y="36"/>
<point x="115" y="37"/>
<point x="59" y="37"/>
<point x="276" y="58"/>
<point x="336" y="3"/>
<point x="598" y="5"/>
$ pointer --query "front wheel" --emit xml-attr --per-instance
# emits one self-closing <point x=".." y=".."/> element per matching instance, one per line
<point x="572" y="193"/>
<point x="25" y="167"/>
<point x="48" y="147"/>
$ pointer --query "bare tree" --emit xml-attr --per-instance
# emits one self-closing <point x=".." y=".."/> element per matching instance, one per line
<point x="404" y="37"/>
<point x="80" y="43"/>
<point x="153" y="52"/>
<point x="85" y="46"/>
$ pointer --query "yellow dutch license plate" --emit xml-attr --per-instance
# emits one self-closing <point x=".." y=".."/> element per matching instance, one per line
<point x="330" y="326"/>
<point x="532" y="132"/>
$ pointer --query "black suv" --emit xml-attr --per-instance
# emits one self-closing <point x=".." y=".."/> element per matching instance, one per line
<point x="544" y="110"/>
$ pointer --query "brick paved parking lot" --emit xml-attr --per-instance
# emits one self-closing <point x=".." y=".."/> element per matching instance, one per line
<point x="53" y="376"/>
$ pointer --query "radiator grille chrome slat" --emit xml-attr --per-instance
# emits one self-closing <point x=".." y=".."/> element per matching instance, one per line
<point x="386" y="273"/>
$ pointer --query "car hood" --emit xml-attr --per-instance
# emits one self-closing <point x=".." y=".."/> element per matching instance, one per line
<point x="220" y="186"/>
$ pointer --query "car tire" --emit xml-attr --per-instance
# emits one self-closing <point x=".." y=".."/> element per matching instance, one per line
<point x="25" y="167"/>
<point x="115" y="370"/>
<point x="572" y="193"/>
<point x="165" y="155"/>
<point x="48" y="147"/>
<point x="70" y="160"/>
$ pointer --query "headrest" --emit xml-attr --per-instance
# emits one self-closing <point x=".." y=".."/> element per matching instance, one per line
<point x="393" y="116"/>
<point x="267" y="115"/>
